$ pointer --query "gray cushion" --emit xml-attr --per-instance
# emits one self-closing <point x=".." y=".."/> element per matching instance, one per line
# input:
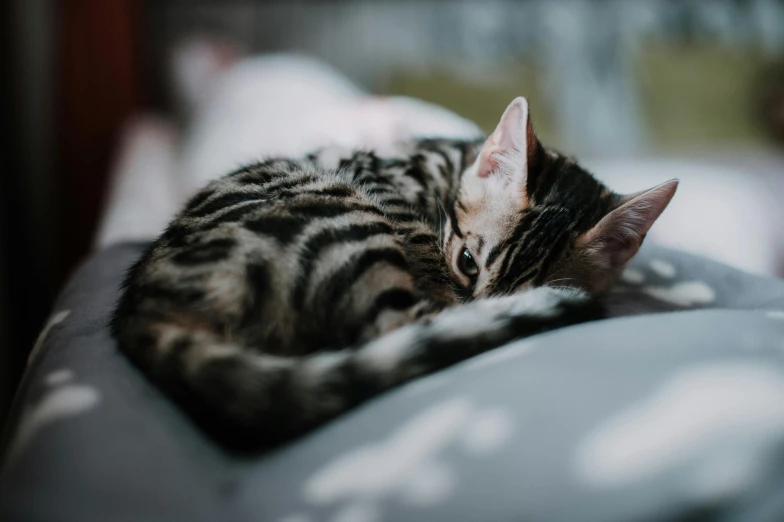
<point x="659" y="416"/>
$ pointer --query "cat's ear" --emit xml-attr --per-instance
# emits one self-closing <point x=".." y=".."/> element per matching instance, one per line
<point x="613" y="241"/>
<point x="512" y="147"/>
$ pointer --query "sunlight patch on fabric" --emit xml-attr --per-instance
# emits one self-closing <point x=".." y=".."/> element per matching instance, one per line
<point x="633" y="276"/>
<point x="430" y="484"/>
<point x="775" y="314"/>
<point x="410" y="464"/>
<point x="53" y="321"/>
<point x="689" y="293"/>
<point x="663" y="268"/>
<point x="382" y="468"/>
<point x="58" y="377"/>
<point x="488" y="432"/>
<point x="64" y="402"/>
<point x="722" y="420"/>
<point x="358" y="512"/>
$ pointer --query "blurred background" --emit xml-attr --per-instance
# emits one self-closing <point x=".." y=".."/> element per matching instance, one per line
<point x="642" y="82"/>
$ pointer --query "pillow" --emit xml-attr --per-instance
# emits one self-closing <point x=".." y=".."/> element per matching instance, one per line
<point x="673" y="409"/>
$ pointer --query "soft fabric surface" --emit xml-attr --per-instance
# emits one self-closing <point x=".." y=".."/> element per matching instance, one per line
<point x="661" y="416"/>
<point x="242" y="112"/>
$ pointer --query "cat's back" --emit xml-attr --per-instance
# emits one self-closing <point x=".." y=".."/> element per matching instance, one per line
<point x="282" y="257"/>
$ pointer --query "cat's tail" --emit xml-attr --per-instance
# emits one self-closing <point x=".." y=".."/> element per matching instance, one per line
<point x="249" y="400"/>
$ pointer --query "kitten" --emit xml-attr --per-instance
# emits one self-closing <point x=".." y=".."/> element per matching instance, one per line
<point x="291" y="290"/>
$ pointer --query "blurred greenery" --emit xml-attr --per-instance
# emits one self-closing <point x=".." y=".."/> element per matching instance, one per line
<point x="701" y="95"/>
<point x="692" y="95"/>
<point x="482" y="103"/>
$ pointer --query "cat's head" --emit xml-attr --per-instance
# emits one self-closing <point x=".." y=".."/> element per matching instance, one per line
<point x="527" y="216"/>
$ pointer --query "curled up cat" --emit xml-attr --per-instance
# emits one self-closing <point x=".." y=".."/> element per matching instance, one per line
<point x="291" y="290"/>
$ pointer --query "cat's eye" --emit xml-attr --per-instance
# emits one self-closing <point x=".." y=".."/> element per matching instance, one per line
<point x="467" y="265"/>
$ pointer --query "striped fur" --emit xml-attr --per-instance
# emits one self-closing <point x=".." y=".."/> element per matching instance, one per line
<point x="291" y="290"/>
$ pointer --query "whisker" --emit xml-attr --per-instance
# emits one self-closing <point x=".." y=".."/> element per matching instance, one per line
<point x="441" y="213"/>
<point x="551" y="283"/>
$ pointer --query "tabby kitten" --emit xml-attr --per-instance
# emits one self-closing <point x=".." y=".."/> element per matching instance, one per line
<point x="291" y="290"/>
